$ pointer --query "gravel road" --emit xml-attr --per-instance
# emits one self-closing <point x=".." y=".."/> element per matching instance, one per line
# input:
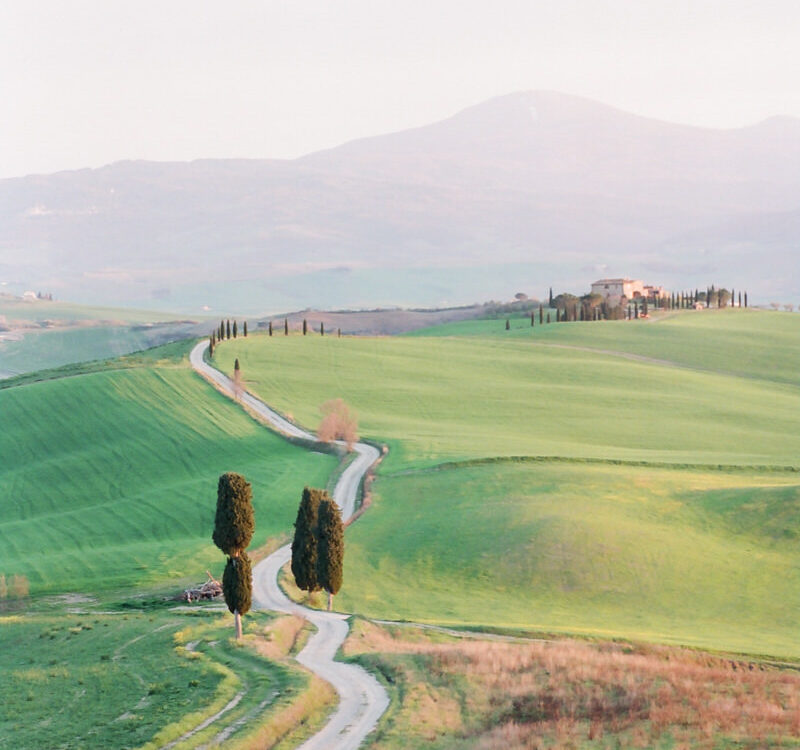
<point x="362" y="699"/>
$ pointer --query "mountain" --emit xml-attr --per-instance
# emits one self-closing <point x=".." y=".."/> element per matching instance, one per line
<point x="518" y="193"/>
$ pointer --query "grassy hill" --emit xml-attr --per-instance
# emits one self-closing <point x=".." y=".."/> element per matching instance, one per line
<point x="749" y="343"/>
<point x="109" y="478"/>
<point x="663" y="503"/>
<point x="39" y="334"/>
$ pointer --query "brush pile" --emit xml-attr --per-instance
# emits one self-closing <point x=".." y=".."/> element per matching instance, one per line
<point x="211" y="589"/>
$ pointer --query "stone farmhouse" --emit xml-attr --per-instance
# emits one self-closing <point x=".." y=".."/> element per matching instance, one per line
<point x="617" y="290"/>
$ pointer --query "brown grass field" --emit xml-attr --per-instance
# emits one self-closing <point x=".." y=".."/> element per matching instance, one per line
<point x="507" y="694"/>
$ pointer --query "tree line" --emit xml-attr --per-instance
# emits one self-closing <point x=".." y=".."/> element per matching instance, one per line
<point x="227" y="331"/>
<point x="569" y="308"/>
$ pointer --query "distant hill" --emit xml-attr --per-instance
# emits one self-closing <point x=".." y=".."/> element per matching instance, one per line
<point x="514" y="194"/>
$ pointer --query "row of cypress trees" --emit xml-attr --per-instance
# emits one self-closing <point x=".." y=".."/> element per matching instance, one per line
<point x="318" y="544"/>
<point x="225" y="331"/>
<point x="305" y="328"/>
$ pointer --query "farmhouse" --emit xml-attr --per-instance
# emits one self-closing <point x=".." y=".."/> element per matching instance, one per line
<point x="615" y="290"/>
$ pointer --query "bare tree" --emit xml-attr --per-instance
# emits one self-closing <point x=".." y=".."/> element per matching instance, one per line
<point x="339" y="422"/>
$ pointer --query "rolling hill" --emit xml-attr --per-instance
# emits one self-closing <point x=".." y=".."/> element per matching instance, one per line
<point x="553" y="479"/>
<point x="109" y="478"/>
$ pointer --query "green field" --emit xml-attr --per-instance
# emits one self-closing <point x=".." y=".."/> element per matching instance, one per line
<point x="109" y="479"/>
<point x="707" y="559"/>
<point x="667" y="508"/>
<point x="60" y="346"/>
<point x="107" y="499"/>
<point x="750" y="343"/>
<point x="46" y="334"/>
<point x="126" y="680"/>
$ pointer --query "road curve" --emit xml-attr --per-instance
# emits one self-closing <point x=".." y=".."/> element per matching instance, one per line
<point x="362" y="699"/>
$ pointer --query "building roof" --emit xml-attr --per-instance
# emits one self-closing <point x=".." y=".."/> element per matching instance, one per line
<point x="614" y="281"/>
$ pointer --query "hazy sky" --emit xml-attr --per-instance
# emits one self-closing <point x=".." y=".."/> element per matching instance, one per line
<point x="87" y="82"/>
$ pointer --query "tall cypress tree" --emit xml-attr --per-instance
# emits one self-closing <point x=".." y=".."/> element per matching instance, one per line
<point x="533" y="317"/>
<point x="235" y="329"/>
<point x="234" y="525"/>
<point x="551" y="298"/>
<point x="237" y="587"/>
<point x="286" y="326"/>
<point x="745" y="299"/>
<point x="740" y="299"/>
<point x="211" y="346"/>
<point x="304" y="544"/>
<point x="228" y="330"/>
<point x="508" y="324"/>
<point x="244" y="326"/>
<point x="305" y="326"/>
<point x="270" y="328"/>
<point x="321" y="329"/>
<point x="548" y="317"/>
<point x="541" y="314"/>
<point x="330" y="549"/>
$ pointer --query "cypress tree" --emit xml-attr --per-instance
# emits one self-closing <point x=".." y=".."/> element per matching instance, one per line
<point x="321" y="329"/>
<point x="286" y="326"/>
<point x="541" y="314"/>
<point x="548" y="317"/>
<point x="733" y="297"/>
<point x="235" y="329"/>
<point x="305" y="326"/>
<point x="551" y="297"/>
<point x="237" y="587"/>
<point x="508" y="324"/>
<point x="740" y="299"/>
<point x="745" y="299"/>
<point x="234" y="524"/>
<point x="221" y="330"/>
<point x="244" y="326"/>
<point x="304" y="544"/>
<point x="270" y="328"/>
<point x="228" y="330"/>
<point x="211" y="346"/>
<point x="330" y="550"/>
<point x="340" y="333"/>
<point x="533" y="317"/>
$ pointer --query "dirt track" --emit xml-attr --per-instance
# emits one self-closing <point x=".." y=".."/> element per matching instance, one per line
<point x="362" y="699"/>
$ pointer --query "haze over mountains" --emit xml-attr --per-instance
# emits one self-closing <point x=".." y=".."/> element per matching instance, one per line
<point x="515" y="194"/>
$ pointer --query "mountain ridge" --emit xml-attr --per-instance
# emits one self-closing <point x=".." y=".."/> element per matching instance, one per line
<point x="514" y="179"/>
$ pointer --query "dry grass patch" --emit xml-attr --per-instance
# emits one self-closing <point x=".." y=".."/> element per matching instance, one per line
<point x="564" y="694"/>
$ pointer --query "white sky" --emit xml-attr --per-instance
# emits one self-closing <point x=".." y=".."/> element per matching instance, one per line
<point x="87" y="82"/>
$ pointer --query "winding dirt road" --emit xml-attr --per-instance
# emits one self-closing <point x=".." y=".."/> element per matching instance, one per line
<point x="362" y="699"/>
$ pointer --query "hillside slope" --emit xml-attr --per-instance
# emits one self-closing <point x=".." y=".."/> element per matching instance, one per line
<point x="109" y="479"/>
<point x="537" y="487"/>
